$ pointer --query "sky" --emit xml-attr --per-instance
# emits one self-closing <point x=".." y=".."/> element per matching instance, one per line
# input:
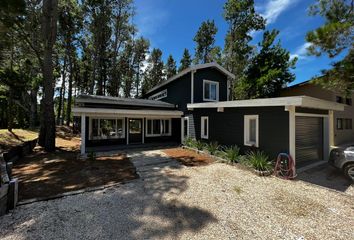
<point x="172" y="24"/>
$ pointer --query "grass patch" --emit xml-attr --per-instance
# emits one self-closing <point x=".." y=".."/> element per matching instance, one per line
<point x="237" y="189"/>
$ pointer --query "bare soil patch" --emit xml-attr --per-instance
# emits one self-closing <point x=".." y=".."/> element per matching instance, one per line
<point x="43" y="174"/>
<point x="15" y="138"/>
<point x="188" y="157"/>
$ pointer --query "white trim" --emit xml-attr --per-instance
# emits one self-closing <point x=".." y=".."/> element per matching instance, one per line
<point x="300" y="101"/>
<point x="90" y="137"/>
<point x="192" y="85"/>
<point x="217" y="90"/>
<point x="310" y="115"/>
<point x="202" y="133"/>
<point x="246" y="128"/>
<point x="83" y="134"/>
<point x="292" y="131"/>
<point x="160" y="95"/>
<point x="331" y="127"/>
<point x="161" y="128"/>
<point x="77" y="111"/>
<point x="195" y="67"/>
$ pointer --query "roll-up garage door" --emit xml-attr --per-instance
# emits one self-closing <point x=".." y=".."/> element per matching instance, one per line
<point x="309" y="140"/>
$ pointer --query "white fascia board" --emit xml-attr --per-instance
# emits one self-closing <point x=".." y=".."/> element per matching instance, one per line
<point x="297" y="101"/>
<point x="78" y="111"/>
<point x="193" y="68"/>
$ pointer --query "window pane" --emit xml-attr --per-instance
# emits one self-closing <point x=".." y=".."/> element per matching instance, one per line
<point x="149" y="127"/>
<point x="206" y="90"/>
<point x="252" y="133"/>
<point x="185" y="127"/>
<point x="213" y="91"/>
<point x="205" y="127"/>
<point x="120" y="129"/>
<point x="339" y="123"/>
<point x="108" y="128"/>
<point x="156" y="128"/>
<point x="94" y="128"/>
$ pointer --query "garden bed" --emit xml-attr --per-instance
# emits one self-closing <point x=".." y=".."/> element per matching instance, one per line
<point x="189" y="157"/>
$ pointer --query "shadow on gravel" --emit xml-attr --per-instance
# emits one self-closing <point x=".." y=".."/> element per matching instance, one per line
<point x="143" y="209"/>
<point x="326" y="176"/>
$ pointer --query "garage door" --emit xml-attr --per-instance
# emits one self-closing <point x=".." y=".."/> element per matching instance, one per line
<point x="309" y="140"/>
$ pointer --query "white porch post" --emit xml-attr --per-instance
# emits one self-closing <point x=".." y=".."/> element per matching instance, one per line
<point x="291" y="110"/>
<point x="331" y="128"/>
<point x="83" y="133"/>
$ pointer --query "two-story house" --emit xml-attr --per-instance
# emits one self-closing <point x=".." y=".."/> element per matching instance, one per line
<point x="195" y="103"/>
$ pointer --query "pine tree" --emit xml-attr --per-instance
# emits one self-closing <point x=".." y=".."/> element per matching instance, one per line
<point x="154" y="73"/>
<point x="186" y="60"/>
<point x="171" y="68"/>
<point x="205" y="40"/>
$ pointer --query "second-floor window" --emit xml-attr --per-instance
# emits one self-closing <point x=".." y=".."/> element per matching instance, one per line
<point x="210" y="90"/>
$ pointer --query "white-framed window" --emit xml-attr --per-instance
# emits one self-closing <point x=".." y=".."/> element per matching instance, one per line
<point x="186" y="127"/>
<point x="204" y="127"/>
<point x="158" y="127"/>
<point x="107" y="128"/>
<point x="210" y="90"/>
<point x="251" y="130"/>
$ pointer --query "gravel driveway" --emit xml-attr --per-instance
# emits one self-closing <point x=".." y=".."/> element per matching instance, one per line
<point x="217" y="201"/>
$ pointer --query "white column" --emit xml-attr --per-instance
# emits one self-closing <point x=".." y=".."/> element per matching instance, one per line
<point x="292" y="131"/>
<point x="331" y="128"/>
<point x="83" y="133"/>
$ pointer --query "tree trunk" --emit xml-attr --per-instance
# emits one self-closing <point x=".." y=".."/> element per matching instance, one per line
<point x="33" y="108"/>
<point x="49" y="30"/>
<point x="61" y="96"/>
<point x="70" y="90"/>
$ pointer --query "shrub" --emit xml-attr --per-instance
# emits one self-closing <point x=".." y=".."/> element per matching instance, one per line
<point x="212" y="147"/>
<point x="199" y="145"/>
<point x="231" y="154"/>
<point x="188" y="142"/>
<point x="259" y="161"/>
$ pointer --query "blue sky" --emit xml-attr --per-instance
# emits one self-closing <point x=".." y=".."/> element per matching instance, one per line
<point x="171" y="25"/>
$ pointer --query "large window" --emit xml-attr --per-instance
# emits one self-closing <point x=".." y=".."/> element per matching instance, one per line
<point x="158" y="127"/>
<point x="344" y="123"/>
<point x="204" y="127"/>
<point x="107" y="128"/>
<point x="251" y="130"/>
<point x="210" y="90"/>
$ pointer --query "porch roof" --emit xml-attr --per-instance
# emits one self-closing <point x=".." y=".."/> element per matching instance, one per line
<point x="79" y="111"/>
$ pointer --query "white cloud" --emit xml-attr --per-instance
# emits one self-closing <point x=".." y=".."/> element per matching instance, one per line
<point x="301" y="51"/>
<point x="273" y="8"/>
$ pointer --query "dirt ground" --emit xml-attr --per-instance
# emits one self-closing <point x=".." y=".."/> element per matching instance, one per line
<point x="44" y="174"/>
<point x="14" y="138"/>
<point x="188" y="157"/>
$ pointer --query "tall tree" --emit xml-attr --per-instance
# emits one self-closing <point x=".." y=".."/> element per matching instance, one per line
<point x="205" y="40"/>
<point x="242" y="20"/>
<point x="269" y="69"/>
<point x="49" y="32"/>
<point x="154" y="73"/>
<point x="186" y="60"/>
<point x="335" y="36"/>
<point x="171" y="68"/>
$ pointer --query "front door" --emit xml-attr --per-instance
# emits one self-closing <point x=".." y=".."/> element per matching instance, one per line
<point x="135" y="131"/>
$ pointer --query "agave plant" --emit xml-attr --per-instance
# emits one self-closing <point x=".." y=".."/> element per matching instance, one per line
<point x="212" y="147"/>
<point x="232" y="153"/>
<point x="259" y="161"/>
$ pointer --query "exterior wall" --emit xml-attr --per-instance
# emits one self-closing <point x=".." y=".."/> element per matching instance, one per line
<point x="175" y="135"/>
<point x="179" y="90"/>
<point x="212" y="75"/>
<point x="312" y="90"/>
<point x="227" y="128"/>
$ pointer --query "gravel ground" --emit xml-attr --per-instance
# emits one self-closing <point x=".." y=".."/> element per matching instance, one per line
<point x="217" y="201"/>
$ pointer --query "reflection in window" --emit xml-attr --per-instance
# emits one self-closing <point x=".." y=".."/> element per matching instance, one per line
<point x="107" y="128"/>
<point x="158" y="127"/>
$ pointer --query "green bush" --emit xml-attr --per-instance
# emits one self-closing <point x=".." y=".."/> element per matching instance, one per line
<point x="212" y="147"/>
<point x="231" y="154"/>
<point x="259" y="161"/>
<point x="188" y="142"/>
<point x="200" y="145"/>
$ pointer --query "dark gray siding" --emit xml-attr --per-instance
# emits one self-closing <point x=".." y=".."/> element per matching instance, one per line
<point x="212" y="75"/>
<point x="227" y="128"/>
<point x="178" y="92"/>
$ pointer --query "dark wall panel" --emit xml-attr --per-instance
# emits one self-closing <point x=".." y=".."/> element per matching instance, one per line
<point x="227" y="128"/>
<point x="175" y="135"/>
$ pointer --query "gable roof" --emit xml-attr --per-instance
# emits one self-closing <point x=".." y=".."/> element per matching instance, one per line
<point x="123" y="101"/>
<point x="193" y="68"/>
